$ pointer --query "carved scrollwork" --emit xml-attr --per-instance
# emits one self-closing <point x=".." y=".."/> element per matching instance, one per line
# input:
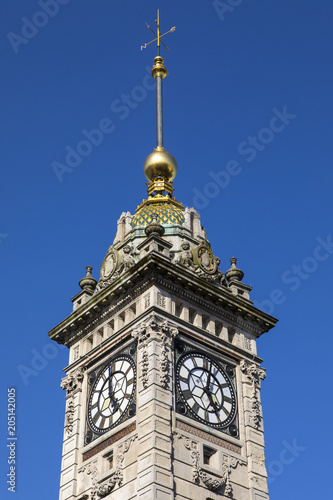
<point x="141" y="334"/>
<point x="115" y="263"/>
<point x="206" y="265"/>
<point x="163" y="332"/>
<point x="214" y="483"/>
<point x="69" y="419"/>
<point x="254" y="374"/>
<point x="91" y="470"/>
<point x="168" y="333"/>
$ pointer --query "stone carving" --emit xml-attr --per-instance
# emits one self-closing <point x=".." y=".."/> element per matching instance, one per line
<point x="117" y="477"/>
<point x="192" y="446"/>
<point x="222" y="479"/>
<point x="147" y="301"/>
<point x="127" y="260"/>
<point x="114" y="265"/>
<point x="102" y="490"/>
<point x="141" y="334"/>
<point x="72" y="381"/>
<point x="161" y="300"/>
<point x="91" y="470"/>
<point x="69" y="420"/>
<point x="109" y="264"/>
<point x="168" y="333"/>
<point x="247" y="344"/>
<point x="185" y="258"/>
<point x="207" y="266"/>
<point x="254" y="374"/>
<point x="206" y="259"/>
<point x="164" y="333"/>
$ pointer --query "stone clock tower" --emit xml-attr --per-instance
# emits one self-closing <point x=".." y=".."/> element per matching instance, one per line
<point x="162" y="386"/>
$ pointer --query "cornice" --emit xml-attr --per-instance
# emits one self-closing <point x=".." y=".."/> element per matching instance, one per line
<point x="156" y="268"/>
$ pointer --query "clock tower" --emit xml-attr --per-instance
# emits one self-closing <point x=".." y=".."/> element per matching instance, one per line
<point x="163" y="381"/>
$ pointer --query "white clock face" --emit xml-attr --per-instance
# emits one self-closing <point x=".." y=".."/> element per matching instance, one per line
<point x="112" y="394"/>
<point x="206" y="389"/>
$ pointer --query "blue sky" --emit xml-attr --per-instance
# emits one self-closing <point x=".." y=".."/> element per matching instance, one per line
<point x="247" y="115"/>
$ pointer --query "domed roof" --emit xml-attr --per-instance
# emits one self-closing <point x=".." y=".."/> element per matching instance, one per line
<point x="166" y="211"/>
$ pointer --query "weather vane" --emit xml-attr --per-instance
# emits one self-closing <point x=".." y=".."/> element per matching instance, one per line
<point x="158" y="35"/>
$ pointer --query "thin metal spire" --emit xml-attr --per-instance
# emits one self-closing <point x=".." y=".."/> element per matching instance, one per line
<point x="158" y="72"/>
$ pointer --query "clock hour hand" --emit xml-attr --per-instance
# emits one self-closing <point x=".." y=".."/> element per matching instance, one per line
<point x="213" y="400"/>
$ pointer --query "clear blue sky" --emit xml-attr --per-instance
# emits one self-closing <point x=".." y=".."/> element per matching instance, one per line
<point x="263" y="186"/>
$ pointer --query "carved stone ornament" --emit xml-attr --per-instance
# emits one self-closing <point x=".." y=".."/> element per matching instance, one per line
<point x="207" y="266"/>
<point x="168" y="333"/>
<point x="109" y="264"/>
<point x="127" y="260"/>
<point x="90" y="469"/>
<point x="141" y="334"/>
<point x="221" y="481"/>
<point x="254" y="374"/>
<point x="165" y="333"/>
<point x="72" y="381"/>
<point x="114" y="265"/>
<point x="69" y="419"/>
<point x="206" y="259"/>
<point x="117" y="477"/>
<point x="185" y="258"/>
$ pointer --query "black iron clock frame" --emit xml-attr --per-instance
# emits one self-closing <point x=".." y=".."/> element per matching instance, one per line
<point x="217" y="410"/>
<point x="129" y="358"/>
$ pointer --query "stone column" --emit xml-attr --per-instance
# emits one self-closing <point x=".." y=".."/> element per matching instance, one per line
<point x="154" y="406"/>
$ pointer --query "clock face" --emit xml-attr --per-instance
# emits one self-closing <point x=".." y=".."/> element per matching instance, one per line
<point x="112" y="394"/>
<point x="205" y="389"/>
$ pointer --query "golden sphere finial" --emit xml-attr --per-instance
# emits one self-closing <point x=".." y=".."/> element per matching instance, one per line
<point x="160" y="162"/>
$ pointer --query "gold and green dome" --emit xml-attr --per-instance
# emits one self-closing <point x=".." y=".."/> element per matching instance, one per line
<point x="167" y="212"/>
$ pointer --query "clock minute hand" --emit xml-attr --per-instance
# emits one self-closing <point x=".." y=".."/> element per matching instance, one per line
<point x="110" y="386"/>
<point x="208" y="379"/>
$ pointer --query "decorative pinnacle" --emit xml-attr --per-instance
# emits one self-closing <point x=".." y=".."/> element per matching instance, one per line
<point x="88" y="283"/>
<point x="234" y="274"/>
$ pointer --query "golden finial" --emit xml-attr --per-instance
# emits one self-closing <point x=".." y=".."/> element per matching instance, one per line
<point x="158" y="35"/>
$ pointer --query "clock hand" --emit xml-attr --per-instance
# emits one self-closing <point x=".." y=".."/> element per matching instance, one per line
<point x="213" y="400"/>
<point x="110" y="384"/>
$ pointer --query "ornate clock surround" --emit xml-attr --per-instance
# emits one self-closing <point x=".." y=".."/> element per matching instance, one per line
<point x="99" y="380"/>
<point x="229" y="423"/>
